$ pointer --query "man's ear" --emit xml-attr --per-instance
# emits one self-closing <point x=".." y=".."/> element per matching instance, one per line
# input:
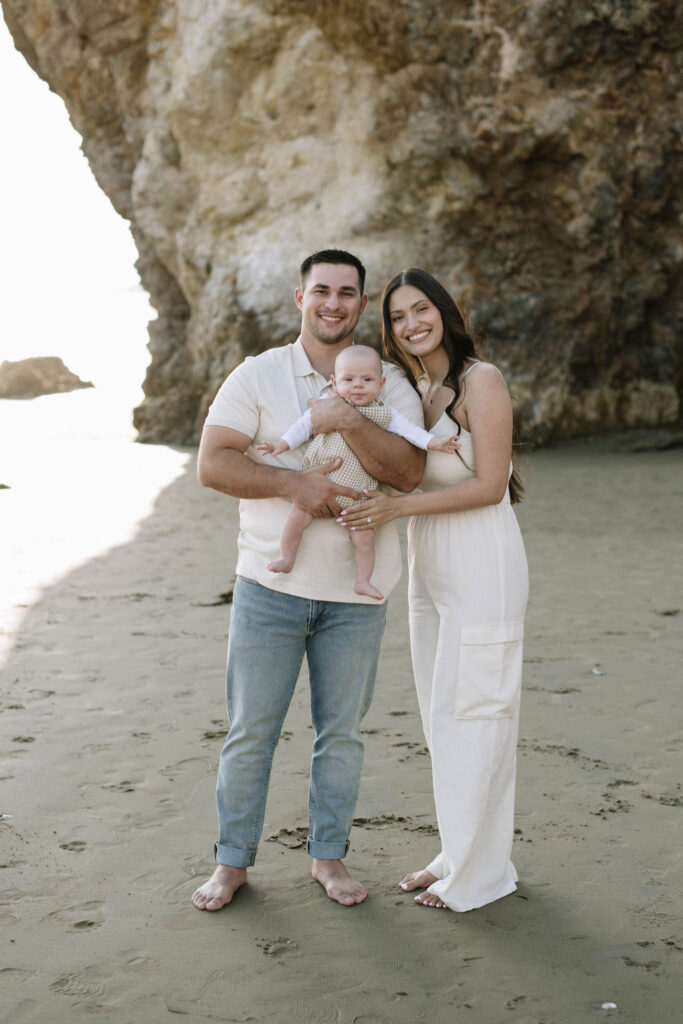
<point x="363" y="304"/>
<point x="298" y="297"/>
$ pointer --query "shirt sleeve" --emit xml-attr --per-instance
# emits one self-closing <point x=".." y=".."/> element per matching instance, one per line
<point x="401" y="395"/>
<point x="402" y="426"/>
<point x="299" y="431"/>
<point x="237" y="403"/>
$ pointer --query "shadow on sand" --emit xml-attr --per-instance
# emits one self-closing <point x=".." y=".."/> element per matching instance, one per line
<point x="113" y="718"/>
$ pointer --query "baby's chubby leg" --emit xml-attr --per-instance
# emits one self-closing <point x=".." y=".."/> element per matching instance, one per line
<point x="292" y="532"/>
<point x="364" y="545"/>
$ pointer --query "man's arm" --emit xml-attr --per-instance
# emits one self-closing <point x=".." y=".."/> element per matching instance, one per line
<point x="223" y="465"/>
<point x="385" y="456"/>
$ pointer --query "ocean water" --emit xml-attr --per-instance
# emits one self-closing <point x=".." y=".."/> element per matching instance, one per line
<point x="76" y="482"/>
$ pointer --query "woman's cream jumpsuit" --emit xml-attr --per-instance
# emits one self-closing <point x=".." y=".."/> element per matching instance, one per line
<point x="467" y="595"/>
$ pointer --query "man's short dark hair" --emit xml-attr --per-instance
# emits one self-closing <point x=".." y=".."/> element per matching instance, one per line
<point x="332" y="256"/>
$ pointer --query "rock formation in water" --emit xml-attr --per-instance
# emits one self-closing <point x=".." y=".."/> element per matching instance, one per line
<point x="39" y="375"/>
<point x="529" y="154"/>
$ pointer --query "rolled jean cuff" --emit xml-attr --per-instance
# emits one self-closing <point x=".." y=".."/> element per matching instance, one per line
<point x="327" y="851"/>
<point x="231" y="857"/>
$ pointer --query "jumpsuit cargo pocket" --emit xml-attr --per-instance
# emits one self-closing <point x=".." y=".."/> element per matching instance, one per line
<point x="490" y="670"/>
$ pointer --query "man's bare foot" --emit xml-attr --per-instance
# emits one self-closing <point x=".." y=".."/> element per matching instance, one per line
<point x="220" y="888"/>
<point x="338" y="883"/>
<point x="282" y="565"/>
<point x="417" y="880"/>
<point x="365" y="587"/>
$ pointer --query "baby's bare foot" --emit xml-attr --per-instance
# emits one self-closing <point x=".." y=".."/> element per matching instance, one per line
<point x="365" y="587"/>
<point x="282" y="565"/>
<point x="338" y="883"/>
<point x="220" y="888"/>
<point x="417" y="880"/>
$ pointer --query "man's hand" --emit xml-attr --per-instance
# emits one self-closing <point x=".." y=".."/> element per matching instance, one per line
<point x="385" y="456"/>
<point x="333" y="413"/>
<point x="315" y="493"/>
<point x="223" y="465"/>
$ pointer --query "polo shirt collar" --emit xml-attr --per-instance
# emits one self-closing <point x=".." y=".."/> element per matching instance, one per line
<point x="300" y="361"/>
<point x="302" y="365"/>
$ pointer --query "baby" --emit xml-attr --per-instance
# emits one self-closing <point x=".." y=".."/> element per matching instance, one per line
<point x="358" y="379"/>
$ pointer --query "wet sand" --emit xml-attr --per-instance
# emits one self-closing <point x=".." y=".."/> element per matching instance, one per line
<point x="112" y="721"/>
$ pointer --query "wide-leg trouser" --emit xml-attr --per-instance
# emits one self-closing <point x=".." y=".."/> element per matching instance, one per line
<point x="270" y="633"/>
<point x="468" y="592"/>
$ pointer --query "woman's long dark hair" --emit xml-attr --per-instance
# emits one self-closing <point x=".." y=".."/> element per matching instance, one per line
<point x="457" y="341"/>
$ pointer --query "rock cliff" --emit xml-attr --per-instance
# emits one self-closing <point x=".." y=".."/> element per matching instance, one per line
<point x="39" y="375"/>
<point x="529" y="154"/>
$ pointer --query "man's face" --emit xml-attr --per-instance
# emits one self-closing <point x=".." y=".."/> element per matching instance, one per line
<point x="331" y="302"/>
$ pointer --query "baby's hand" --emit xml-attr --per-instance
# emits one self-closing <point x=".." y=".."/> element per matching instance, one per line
<point x="449" y="445"/>
<point x="268" y="448"/>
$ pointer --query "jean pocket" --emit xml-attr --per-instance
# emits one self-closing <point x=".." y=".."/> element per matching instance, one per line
<point x="490" y="670"/>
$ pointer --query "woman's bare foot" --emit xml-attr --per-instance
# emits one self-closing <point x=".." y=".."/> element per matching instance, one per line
<point x="420" y="880"/>
<point x="428" y="899"/>
<point x="417" y="880"/>
<point x="220" y="888"/>
<point x="338" y="883"/>
<point x="365" y="587"/>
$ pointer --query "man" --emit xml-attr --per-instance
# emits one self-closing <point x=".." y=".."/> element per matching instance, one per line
<point x="314" y="610"/>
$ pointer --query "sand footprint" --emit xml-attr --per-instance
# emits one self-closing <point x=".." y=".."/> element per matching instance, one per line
<point x="81" y="916"/>
<point x="87" y="983"/>
<point x="292" y="838"/>
<point x="276" y="947"/>
<point x="14" y="974"/>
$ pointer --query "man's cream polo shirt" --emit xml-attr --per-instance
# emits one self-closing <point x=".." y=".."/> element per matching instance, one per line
<point x="261" y="398"/>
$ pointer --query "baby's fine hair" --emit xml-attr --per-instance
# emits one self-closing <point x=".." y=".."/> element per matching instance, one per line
<point x="364" y="351"/>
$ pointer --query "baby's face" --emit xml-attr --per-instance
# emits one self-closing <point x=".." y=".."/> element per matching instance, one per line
<point x="358" y="378"/>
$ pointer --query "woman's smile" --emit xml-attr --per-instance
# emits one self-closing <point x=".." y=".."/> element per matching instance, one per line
<point x="415" y="321"/>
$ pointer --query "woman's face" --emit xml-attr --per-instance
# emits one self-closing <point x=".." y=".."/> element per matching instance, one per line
<point x="416" y="323"/>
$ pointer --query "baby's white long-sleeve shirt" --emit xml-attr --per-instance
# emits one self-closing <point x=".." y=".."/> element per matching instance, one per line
<point x="302" y="429"/>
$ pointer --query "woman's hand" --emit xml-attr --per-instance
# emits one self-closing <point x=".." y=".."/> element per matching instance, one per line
<point x="379" y="508"/>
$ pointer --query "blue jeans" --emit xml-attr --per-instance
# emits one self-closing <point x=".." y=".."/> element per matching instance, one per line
<point x="269" y="634"/>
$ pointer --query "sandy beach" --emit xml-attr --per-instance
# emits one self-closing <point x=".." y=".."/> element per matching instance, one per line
<point x="113" y="718"/>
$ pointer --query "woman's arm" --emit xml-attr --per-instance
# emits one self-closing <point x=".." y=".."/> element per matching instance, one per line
<point x="488" y="411"/>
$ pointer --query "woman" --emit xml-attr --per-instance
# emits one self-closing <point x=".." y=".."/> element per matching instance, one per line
<point x="467" y="592"/>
